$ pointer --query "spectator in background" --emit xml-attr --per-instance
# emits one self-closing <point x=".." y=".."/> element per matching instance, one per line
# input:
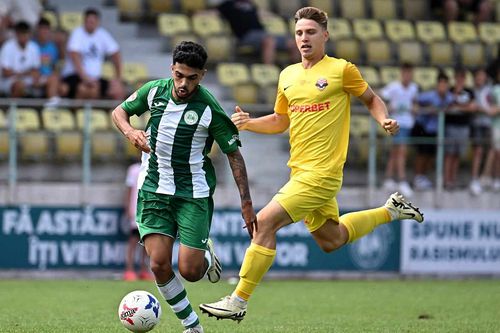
<point x="426" y="126"/>
<point x="20" y="62"/>
<point x="457" y="121"/>
<point x="49" y="56"/>
<point x="401" y="96"/>
<point x="495" y="150"/>
<point x="130" y="208"/>
<point x="14" y="11"/>
<point x="480" y="128"/>
<point x="87" y="49"/>
<point x="61" y="41"/>
<point x="454" y="10"/>
<point x="243" y="18"/>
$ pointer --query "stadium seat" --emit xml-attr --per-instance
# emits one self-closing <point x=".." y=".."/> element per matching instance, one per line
<point x="287" y="8"/>
<point x="70" y="20"/>
<point x="4" y="135"/>
<point x="370" y="74"/>
<point x="103" y="145"/>
<point x="231" y="74"/>
<point x="326" y="5"/>
<point x="99" y="119"/>
<point x="384" y="9"/>
<point x="489" y="32"/>
<point x="192" y="6"/>
<point x="349" y="49"/>
<point x="462" y="32"/>
<point x="176" y="39"/>
<point x="130" y="9"/>
<point x="389" y="74"/>
<point x="173" y="24"/>
<point x="415" y="9"/>
<point x="51" y="17"/>
<point x="27" y="119"/>
<point x="430" y="31"/>
<point x="219" y="48"/>
<point x="275" y="25"/>
<point x="410" y="52"/>
<point x="441" y="53"/>
<point x="246" y="93"/>
<point x="264" y="75"/>
<point x="134" y="72"/>
<point x="378" y="52"/>
<point x="156" y="7"/>
<point x="263" y="5"/>
<point x="360" y="125"/>
<point x="33" y="145"/>
<point x="367" y="29"/>
<point x="339" y="28"/>
<point x="68" y="145"/>
<point x="353" y="8"/>
<point x="472" y="54"/>
<point x="207" y="24"/>
<point x="108" y="70"/>
<point x="57" y="120"/>
<point x="425" y="77"/>
<point x="399" y="30"/>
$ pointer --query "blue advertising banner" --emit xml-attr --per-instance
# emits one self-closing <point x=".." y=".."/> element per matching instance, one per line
<point x="62" y="237"/>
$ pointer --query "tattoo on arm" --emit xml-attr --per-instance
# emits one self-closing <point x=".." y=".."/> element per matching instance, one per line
<point x="239" y="173"/>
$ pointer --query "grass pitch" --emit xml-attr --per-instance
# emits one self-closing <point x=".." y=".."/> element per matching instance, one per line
<point x="277" y="306"/>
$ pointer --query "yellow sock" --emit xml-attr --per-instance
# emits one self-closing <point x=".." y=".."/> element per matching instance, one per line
<point x="363" y="222"/>
<point x="257" y="261"/>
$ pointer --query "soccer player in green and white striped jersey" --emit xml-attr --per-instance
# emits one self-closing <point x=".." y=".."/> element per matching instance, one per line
<point x="177" y="178"/>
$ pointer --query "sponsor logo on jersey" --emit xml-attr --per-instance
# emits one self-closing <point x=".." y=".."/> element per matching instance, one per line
<point x="191" y="117"/>
<point x="321" y="84"/>
<point x="310" y="107"/>
<point x="156" y="104"/>
<point x="233" y="139"/>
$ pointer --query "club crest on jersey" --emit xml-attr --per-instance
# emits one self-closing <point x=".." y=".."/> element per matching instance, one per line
<point x="191" y="117"/>
<point x="321" y="84"/>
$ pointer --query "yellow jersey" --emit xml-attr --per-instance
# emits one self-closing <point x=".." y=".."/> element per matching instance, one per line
<point x="317" y="101"/>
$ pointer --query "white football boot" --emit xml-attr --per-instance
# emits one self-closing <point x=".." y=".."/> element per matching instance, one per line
<point x="401" y="209"/>
<point x="215" y="269"/>
<point x="227" y="308"/>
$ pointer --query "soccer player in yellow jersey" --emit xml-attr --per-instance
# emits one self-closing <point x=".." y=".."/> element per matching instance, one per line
<point x="313" y="100"/>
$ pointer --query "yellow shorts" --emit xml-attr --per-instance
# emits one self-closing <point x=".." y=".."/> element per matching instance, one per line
<point x="310" y="198"/>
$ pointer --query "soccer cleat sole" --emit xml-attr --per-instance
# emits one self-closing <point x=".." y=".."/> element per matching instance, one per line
<point x="235" y="317"/>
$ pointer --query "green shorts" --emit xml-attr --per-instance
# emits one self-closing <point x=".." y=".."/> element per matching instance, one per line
<point x="187" y="218"/>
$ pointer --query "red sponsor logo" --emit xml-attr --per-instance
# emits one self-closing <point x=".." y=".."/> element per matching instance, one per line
<point x="316" y="107"/>
<point x="127" y="314"/>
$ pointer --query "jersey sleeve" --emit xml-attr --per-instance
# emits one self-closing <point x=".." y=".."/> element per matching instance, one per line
<point x="111" y="46"/>
<point x="281" y="104"/>
<point x="137" y="103"/>
<point x="224" y="131"/>
<point x="353" y="82"/>
<point x="74" y="44"/>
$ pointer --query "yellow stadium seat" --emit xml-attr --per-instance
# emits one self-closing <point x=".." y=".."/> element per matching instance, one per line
<point x="99" y="119"/>
<point x="130" y="9"/>
<point x="425" y="77"/>
<point x="231" y="74"/>
<point x="326" y="5"/>
<point x="133" y="72"/>
<point x="265" y="75"/>
<point x="176" y="39"/>
<point x="287" y="8"/>
<point x="370" y="74"/>
<point x="489" y="32"/>
<point x="69" y="144"/>
<point x="441" y="53"/>
<point x="378" y="52"/>
<point x="349" y="49"/>
<point x="108" y="70"/>
<point x="390" y="74"/>
<point x="219" y="48"/>
<point x="193" y="6"/>
<point x="430" y="31"/>
<point x="246" y="93"/>
<point x="367" y="29"/>
<point x="472" y="54"/>
<point x="398" y="30"/>
<point x="263" y="5"/>
<point x="57" y="120"/>
<point x="70" y="20"/>
<point x="173" y="24"/>
<point x="160" y="6"/>
<point x="353" y="8"/>
<point x="462" y="32"/>
<point x="103" y="144"/>
<point x="339" y="28"/>
<point x="384" y="9"/>
<point x="208" y="23"/>
<point x="410" y="52"/>
<point x="275" y="25"/>
<point x="415" y="9"/>
<point x="51" y="17"/>
<point x="34" y="145"/>
<point x="27" y="119"/>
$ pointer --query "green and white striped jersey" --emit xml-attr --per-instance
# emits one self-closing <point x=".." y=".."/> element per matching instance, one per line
<point x="181" y="135"/>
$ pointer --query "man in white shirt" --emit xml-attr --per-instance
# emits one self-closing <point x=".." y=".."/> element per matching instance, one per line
<point x="88" y="46"/>
<point x="20" y="62"/>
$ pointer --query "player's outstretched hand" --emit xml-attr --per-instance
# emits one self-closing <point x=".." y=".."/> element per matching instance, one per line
<point x="240" y="118"/>
<point x="391" y="126"/>
<point x="249" y="217"/>
<point x="139" y="139"/>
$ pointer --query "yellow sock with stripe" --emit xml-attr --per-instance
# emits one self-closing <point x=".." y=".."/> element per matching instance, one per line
<point x="363" y="222"/>
<point x="258" y="259"/>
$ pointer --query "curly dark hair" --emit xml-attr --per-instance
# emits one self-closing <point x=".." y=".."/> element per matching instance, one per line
<point x="191" y="54"/>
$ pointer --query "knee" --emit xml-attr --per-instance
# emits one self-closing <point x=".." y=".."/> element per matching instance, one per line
<point x="159" y="268"/>
<point x="191" y="273"/>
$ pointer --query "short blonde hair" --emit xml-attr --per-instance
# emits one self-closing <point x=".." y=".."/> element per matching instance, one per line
<point x="313" y="13"/>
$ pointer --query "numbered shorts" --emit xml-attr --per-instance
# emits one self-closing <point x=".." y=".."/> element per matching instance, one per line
<point x="311" y="198"/>
<point x="186" y="218"/>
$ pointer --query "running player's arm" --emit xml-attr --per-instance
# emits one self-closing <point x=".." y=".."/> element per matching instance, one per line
<point x="271" y="124"/>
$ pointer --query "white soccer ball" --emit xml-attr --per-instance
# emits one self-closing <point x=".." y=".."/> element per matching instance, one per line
<point x="139" y="311"/>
